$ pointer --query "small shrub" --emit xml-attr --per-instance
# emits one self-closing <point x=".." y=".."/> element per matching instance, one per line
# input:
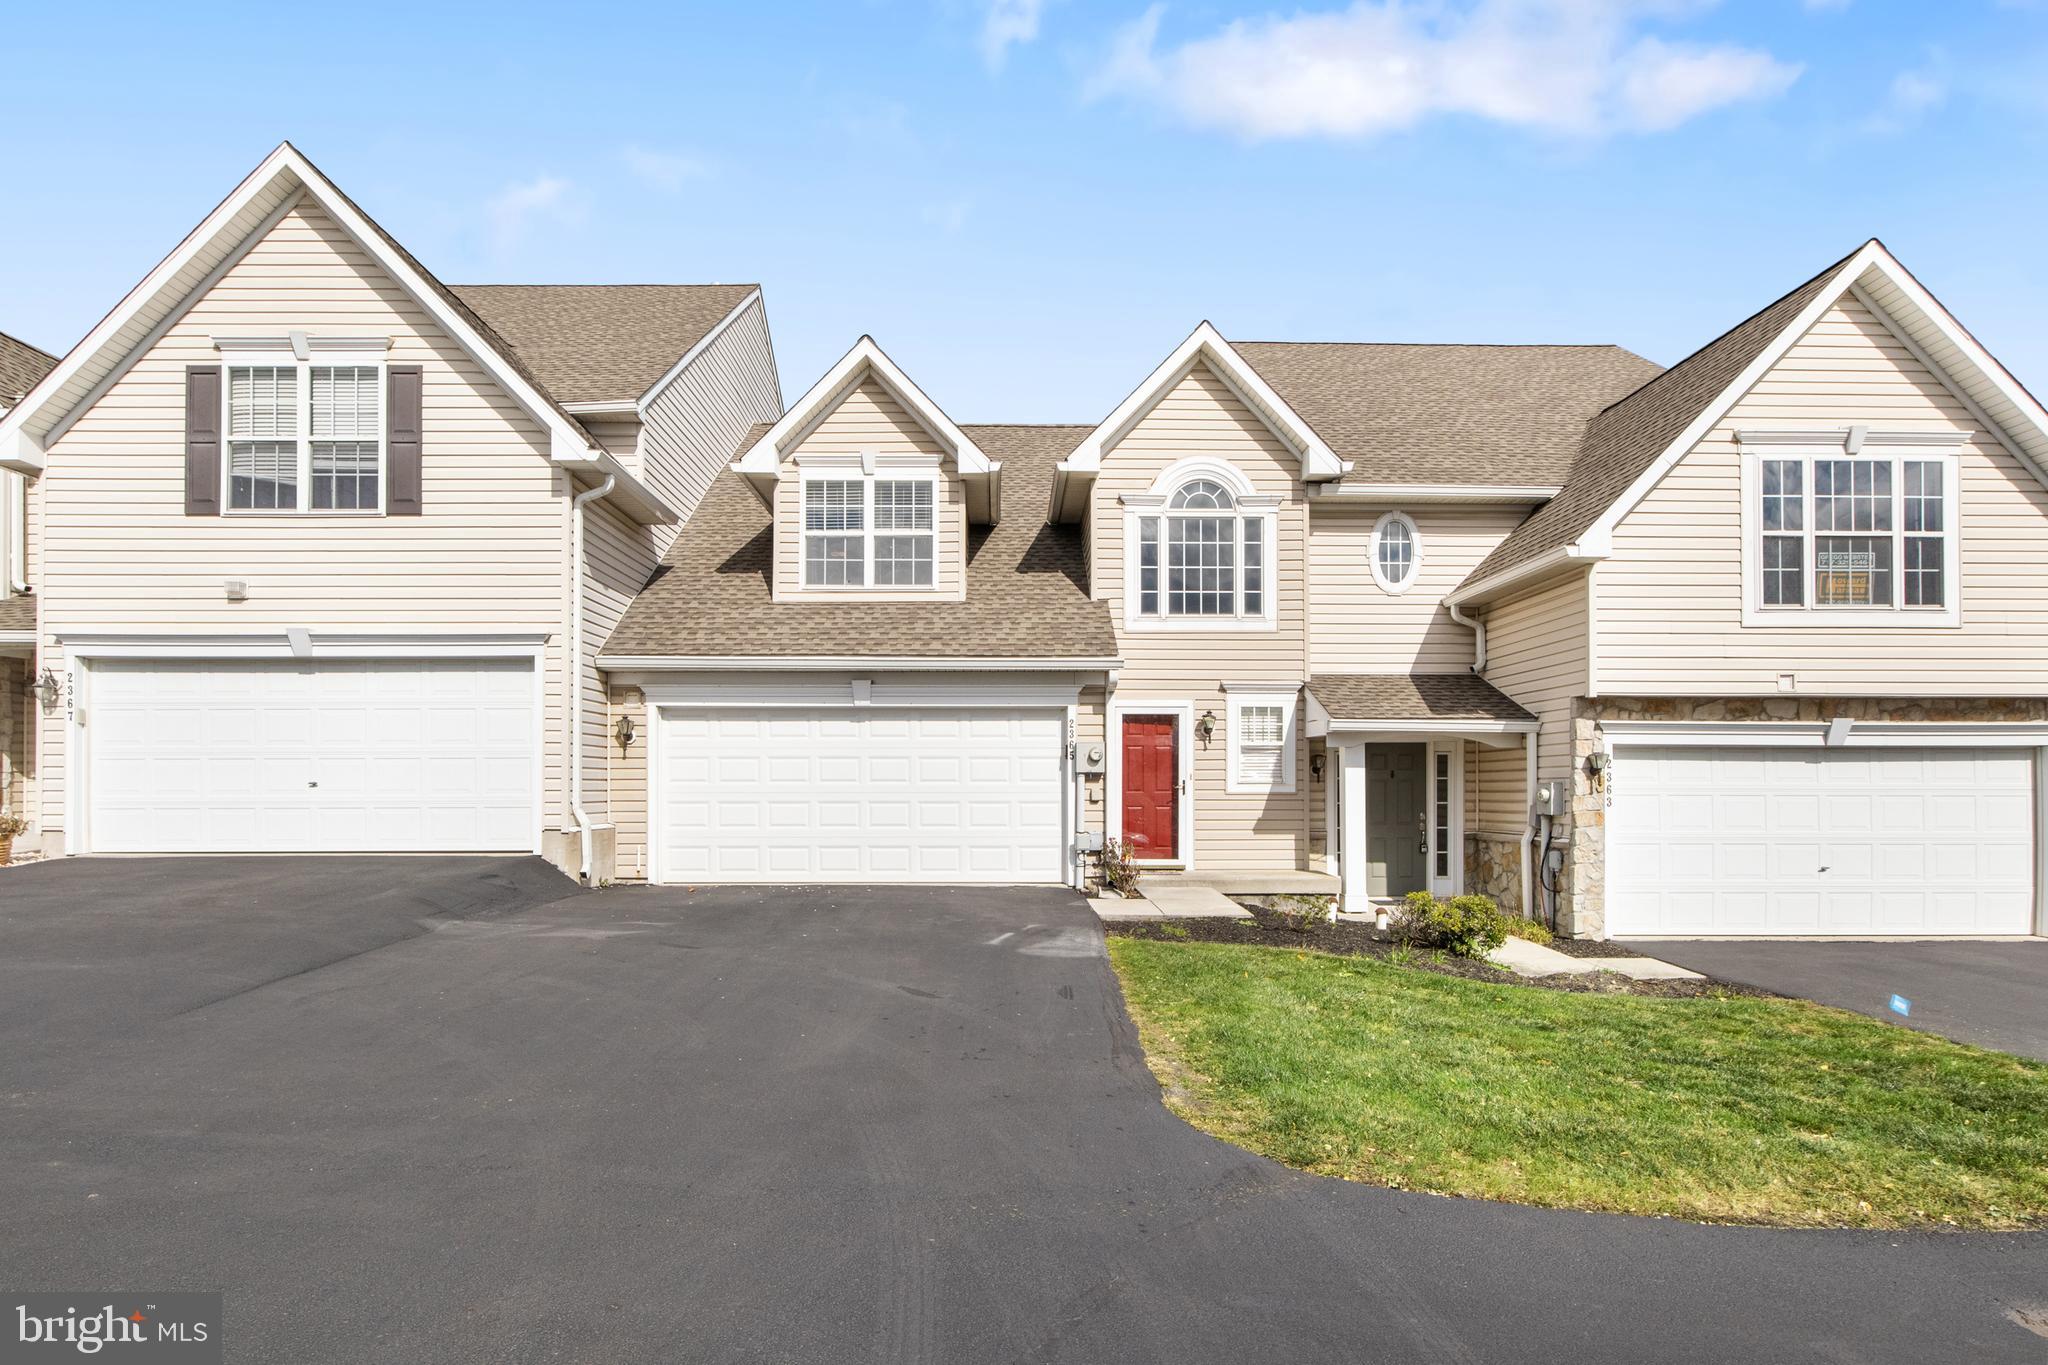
<point x="1464" y="926"/>
<point x="11" y="825"/>
<point x="1171" y="930"/>
<point x="1401" y="955"/>
<point x="1119" y="873"/>
<point x="1536" y="931"/>
<point x="1303" y="913"/>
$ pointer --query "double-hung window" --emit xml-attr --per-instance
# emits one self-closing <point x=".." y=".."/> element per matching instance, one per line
<point x="862" y="530"/>
<point x="1261" y="742"/>
<point x="1842" y="537"/>
<point x="1203" y="557"/>
<point x="304" y="435"/>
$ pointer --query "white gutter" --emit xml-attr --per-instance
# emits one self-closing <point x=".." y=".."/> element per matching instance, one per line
<point x="675" y="663"/>
<point x="576" y="672"/>
<point x="1478" y="629"/>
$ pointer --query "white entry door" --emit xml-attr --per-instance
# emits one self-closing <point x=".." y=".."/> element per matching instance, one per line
<point x="1755" y="842"/>
<point x="860" y="795"/>
<point x="345" y="756"/>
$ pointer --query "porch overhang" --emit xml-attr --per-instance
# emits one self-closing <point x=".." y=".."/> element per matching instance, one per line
<point x="1361" y="708"/>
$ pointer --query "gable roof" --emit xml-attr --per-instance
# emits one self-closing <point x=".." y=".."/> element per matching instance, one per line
<point x="285" y="178"/>
<point x="1027" y="595"/>
<point x="598" y="343"/>
<point x="1352" y="698"/>
<point x="1448" y="414"/>
<point x="22" y="367"/>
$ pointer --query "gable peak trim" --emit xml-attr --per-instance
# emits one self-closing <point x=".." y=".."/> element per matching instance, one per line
<point x="864" y="360"/>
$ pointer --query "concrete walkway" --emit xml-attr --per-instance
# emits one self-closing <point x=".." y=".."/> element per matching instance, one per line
<point x="1171" y="900"/>
<point x="1533" y="959"/>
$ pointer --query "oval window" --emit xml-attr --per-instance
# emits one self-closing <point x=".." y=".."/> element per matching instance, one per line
<point x="1396" y="552"/>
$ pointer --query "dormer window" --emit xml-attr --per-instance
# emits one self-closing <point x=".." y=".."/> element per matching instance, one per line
<point x="847" y="547"/>
<point x="1204" y="557"/>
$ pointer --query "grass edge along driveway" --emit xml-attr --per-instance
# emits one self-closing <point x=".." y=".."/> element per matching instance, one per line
<point x="1725" y="1109"/>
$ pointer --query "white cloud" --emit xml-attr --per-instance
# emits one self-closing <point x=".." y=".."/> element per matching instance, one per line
<point x="1563" y="66"/>
<point x="512" y="210"/>
<point x="1911" y="95"/>
<point x="1008" y="23"/>
<point x="664" y="171"/>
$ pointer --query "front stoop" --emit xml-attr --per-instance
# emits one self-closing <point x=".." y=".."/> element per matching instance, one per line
<point x="1524" y="958"/>
<point x="1171" y="900"/>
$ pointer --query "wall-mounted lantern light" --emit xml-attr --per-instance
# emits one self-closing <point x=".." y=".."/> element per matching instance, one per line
<point x="47" y="689"/>
<point x="1206" y="726"/>
<point x="624" y="731"/>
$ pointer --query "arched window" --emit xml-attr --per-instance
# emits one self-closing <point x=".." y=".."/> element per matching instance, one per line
<point x="1198" y="558"/>
<point x="1396" y="552"/>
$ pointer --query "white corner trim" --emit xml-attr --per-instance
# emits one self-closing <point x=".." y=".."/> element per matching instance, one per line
<point x="1372" y="553"/>
<point x="689" y="357"/>
<point x="1205" y="345"/>
<point x="764" y="457"/>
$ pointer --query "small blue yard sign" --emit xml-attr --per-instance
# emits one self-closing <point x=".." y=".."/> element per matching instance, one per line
<point x="1901" y="1005"/>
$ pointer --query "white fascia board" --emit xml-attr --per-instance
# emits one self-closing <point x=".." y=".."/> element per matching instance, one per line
<point x="764" y="457"/>
<point x="1433" y="492"/>
<point x="841" y="663"/>
<point x="689" y="357"/>
<point x="1473" y="728"/>
<point x="611" y="407"/>
<point x="1206" y="345"/>
<point x="1544" y="564"/>
<point x="629" y="492"/>
<point x="1602" y="531"/>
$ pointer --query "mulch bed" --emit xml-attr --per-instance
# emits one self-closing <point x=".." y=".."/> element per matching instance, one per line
<point x="1590" y="947"/>
<point x="1268" y="930"/>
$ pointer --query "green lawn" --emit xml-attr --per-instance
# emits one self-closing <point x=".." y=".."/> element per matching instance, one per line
<point x="1723" y="1109"/>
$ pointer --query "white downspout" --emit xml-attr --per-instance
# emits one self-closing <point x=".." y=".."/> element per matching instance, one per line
<point x="576" y="672"/>
<point x="1478" y="629"/>
<point x="1529" y="834"/>
<point x="15" y="488"/>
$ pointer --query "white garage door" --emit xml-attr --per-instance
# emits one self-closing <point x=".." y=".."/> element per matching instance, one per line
<point x="868" y="795"/>
<point x="328" y="757"/>
<point x="1752" y="842"/>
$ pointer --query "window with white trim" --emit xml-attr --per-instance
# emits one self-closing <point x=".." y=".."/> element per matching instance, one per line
<point x="1396" y="552"/>
<point x="1203" y="557"/>
<point x="846" y="547"/>
<point x="1261" y="742"/>
<point x="1840" y="535"/>
<point x="304" y="437"/>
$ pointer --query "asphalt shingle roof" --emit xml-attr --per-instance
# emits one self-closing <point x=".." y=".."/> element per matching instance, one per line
<point x="17" y="613"/>
<point x="22" y="367"/>
<point x="601" y="342"/>
<point x="1448" y="414"/>
<point x="1027" y="593"/>
<point x="1627" y="437"/>
<point x="1412" y="696"/>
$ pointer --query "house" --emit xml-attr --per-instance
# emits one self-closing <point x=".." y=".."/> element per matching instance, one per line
<point x="1753" y="645"/>
<point x="329" y="556"/>
<point x="22" y="367"/>
<point x="322" y="549"/>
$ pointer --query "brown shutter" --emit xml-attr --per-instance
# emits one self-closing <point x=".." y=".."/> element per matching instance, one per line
<point x="202" y="440"/>
<point x="402" y="441"/>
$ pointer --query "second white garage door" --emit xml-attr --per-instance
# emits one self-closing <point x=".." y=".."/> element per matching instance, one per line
<point x="1752" y="842"/>
<point x="340" y="756"/>
<point x="860" y="795"/>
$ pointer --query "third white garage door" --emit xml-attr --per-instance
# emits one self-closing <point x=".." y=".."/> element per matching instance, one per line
<point x="860" y="795"/>
<point x="1751" y="842"/>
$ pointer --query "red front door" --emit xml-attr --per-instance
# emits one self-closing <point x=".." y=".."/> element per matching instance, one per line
<point x="1151" y="787"/>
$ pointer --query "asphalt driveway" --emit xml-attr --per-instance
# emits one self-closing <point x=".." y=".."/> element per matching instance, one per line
<point x="450" y="1110"/>
<point x="1993" y="994"/>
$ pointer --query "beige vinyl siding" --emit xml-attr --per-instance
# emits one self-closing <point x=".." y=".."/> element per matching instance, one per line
<point x="1091" y="727"/>
<point x="116" y="554"/>
<point x="1670" y="598"/>
<point x="619" y="436"/>
<point x="626" y="783"/>
<point x="1200" y="417"/>
<point x="1536" y="653"/>
<point x="1359" y="627"/>
<point x="619" y="557"/>
<point x="694" y="426"/>
<point x="870" y="418"/>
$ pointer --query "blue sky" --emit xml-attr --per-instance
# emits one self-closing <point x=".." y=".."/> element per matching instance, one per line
<point x="1029" y="202"/>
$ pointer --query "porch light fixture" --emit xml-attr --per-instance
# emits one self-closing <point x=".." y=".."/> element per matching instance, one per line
<point x="46" y="688"/>
<point x="1315" y="766"/>
<point x="1205" y="728"/>
<point x="624" y="731"/>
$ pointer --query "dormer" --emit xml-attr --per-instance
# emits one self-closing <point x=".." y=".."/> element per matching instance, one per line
<point x="872" y="489"/>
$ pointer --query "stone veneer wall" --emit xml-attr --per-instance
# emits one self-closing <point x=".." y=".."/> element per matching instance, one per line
<point x="1493" y="867"/>
<point x="1581" y="902"/>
